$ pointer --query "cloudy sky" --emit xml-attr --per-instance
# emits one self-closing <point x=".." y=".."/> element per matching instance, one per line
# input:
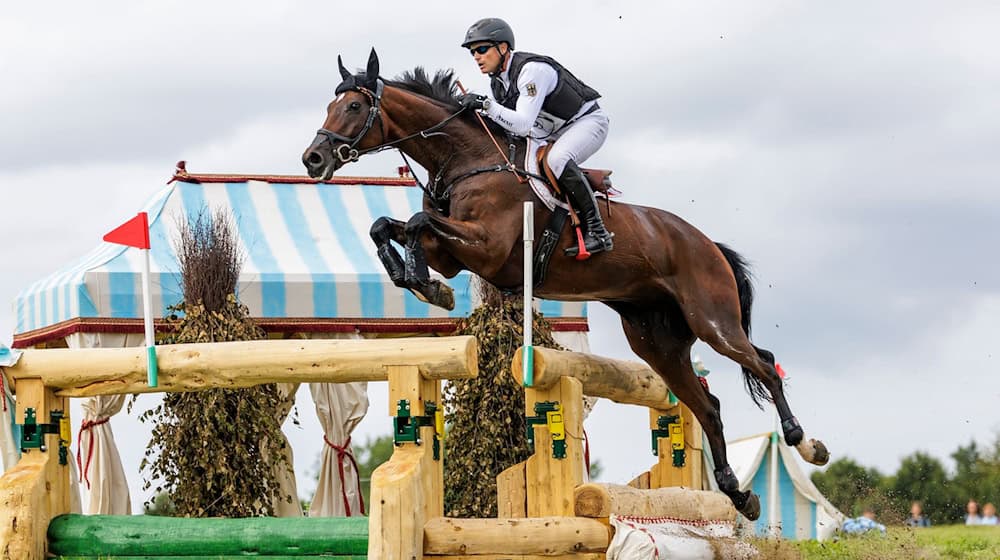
<point x="849" y="150"/>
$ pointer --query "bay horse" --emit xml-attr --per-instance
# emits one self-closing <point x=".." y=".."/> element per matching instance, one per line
<point x="669" y="282"/>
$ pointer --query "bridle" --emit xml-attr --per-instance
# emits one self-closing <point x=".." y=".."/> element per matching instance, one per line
<point x="345" y="147"/>
<point x="346" y="151"/>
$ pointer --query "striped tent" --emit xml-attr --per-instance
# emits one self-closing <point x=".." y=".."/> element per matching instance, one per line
<point x="791" y="505"/>
<point x="310" y="264"/>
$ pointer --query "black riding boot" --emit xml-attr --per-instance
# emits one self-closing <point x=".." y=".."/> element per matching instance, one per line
<point x="575" y="184"/>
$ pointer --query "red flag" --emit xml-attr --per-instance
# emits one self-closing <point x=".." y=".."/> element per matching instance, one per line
<point x="781" y="371"/>
<point x="134" y="233"/>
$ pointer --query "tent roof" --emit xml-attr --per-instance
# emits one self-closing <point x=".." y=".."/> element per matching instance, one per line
<point x="309" y="262"/>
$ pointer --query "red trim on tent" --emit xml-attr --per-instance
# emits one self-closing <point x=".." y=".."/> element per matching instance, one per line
<point x="222" y="178"/>
<point x="443" y="326"/>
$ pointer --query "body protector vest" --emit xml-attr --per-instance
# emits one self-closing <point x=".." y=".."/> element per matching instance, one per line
<point x="565" y="100"/>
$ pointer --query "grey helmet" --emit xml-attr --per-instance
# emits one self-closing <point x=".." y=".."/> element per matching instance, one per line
<point x="493" y="30"/>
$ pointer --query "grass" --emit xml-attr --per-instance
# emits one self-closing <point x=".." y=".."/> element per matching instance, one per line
<point x="933" y="543"/>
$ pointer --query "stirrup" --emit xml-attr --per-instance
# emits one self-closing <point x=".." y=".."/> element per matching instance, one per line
<point x="593" y="244"/>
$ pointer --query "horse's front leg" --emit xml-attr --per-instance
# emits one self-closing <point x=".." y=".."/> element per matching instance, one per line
<point x="383" y="232"/>
<point x="416" y="272"/>
<point x="467" y="244"/>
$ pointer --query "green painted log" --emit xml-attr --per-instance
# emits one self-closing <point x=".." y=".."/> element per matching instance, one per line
<point x="130" y="536"/>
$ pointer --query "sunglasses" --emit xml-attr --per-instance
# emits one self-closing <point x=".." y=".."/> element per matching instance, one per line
<point x="481" y="49"/>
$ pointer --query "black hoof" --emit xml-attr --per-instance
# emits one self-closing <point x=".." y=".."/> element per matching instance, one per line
<point x="793" y="431"/>
<point x="751" y="506"/>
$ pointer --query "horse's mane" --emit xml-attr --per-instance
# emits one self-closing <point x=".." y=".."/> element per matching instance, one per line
<point x="443" y="88"/>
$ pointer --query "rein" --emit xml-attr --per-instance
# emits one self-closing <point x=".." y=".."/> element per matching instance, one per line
<point x="345" y="147"/>
<point x="489" y="133"/>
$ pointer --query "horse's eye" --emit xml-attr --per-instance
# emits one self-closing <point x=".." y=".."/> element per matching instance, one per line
<point x="354" y="106"/>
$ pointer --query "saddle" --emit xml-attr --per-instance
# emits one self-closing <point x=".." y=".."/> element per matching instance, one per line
<point x="600" y="182"/>
<point x="599" y="179"/>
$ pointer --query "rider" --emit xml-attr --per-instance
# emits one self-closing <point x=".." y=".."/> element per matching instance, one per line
<point x="533" y="95"/>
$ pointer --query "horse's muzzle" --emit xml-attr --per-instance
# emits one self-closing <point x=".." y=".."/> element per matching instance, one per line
<point x="319" y="160"/>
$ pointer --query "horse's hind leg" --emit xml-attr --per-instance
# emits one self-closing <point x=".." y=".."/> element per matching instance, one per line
<point x="716" y="320"/>
<point x="663" y="340"/>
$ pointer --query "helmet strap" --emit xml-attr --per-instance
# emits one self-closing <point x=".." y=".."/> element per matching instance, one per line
<point x="504" y="60"/>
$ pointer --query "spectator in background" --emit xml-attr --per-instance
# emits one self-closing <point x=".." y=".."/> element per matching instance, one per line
<point x="989" y="515"/>
<point x="863" y="524"/>
<point x="917" y="517"/>
<point x="972" y="516"/>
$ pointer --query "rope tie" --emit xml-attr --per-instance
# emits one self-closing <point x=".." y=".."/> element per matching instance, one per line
<point x="342" y="452"/>
<point x="3" y="389"/>
<point x="84" y="467"/>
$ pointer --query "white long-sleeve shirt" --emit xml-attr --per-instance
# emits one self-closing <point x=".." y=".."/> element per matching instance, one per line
<point x="535" y="82"/>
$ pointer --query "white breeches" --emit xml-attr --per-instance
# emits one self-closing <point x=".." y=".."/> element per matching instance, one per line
<point x="579" y="141"/>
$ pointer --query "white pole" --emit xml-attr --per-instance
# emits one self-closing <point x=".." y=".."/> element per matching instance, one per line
<point x="773" y="506"/>
<point x="147" y="315"/>
<point x="529" y="310"/>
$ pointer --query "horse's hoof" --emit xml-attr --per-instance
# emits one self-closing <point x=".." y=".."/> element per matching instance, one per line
<point x="442" y="295"/>
<point x="814" y="451"/>
<point x="436" y="293"/>
<point x="751" y="509"/>
<point x="418" y="295"/>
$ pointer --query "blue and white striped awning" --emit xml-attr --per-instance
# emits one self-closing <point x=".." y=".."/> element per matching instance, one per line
<point x="308" y="255"/>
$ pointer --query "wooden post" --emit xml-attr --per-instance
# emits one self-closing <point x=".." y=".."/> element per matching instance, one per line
<point x="664" y="474"/>
<point x="37" y="489"/>
<point x="512" y="502"/>
<point x="550" y="481"/>
<point x="407" y="490"/>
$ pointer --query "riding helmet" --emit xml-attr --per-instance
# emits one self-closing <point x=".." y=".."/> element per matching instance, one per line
<point x="494" y="30"/>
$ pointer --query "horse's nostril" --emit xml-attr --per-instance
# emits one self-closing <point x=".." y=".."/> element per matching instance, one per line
<point x="314" y="158"/>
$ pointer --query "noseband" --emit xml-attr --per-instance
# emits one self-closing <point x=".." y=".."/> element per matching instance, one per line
<point x="345" y="150"/>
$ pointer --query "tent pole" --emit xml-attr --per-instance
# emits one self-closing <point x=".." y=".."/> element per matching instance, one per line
<point x="773" y="506"/>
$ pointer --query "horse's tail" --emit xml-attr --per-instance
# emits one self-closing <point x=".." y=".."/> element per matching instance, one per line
<point x="744" y="285"/>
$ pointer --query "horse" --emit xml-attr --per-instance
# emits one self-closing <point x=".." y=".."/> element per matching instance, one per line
<point x="669" y="282"/>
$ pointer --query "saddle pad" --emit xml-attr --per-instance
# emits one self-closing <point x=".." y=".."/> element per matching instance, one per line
<point x="537" y="185"/>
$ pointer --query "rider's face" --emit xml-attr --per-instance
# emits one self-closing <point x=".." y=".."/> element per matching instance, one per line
<point x="490" y="60"/>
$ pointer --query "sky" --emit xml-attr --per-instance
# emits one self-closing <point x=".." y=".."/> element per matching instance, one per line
<point x="849" y="150"/>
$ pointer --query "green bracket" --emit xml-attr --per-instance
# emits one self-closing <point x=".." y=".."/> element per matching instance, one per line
<point x="33" y="433"/>
<point x="664" y="424"/>
<point x="406" y="428"/>
<point x="548" y="413"/>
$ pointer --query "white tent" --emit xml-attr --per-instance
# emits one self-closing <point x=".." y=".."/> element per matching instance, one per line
<point x="791" y="505"/>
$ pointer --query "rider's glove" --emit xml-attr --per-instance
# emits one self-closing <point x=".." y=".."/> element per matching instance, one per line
<point x="473" y="101"/>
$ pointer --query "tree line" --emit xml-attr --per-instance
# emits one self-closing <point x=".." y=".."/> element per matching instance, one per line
<point x="921" y="477"/>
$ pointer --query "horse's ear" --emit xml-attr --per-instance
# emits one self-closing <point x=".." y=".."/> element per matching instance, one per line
<point x="372" y="71"/>
<point x="344" y="73"/>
